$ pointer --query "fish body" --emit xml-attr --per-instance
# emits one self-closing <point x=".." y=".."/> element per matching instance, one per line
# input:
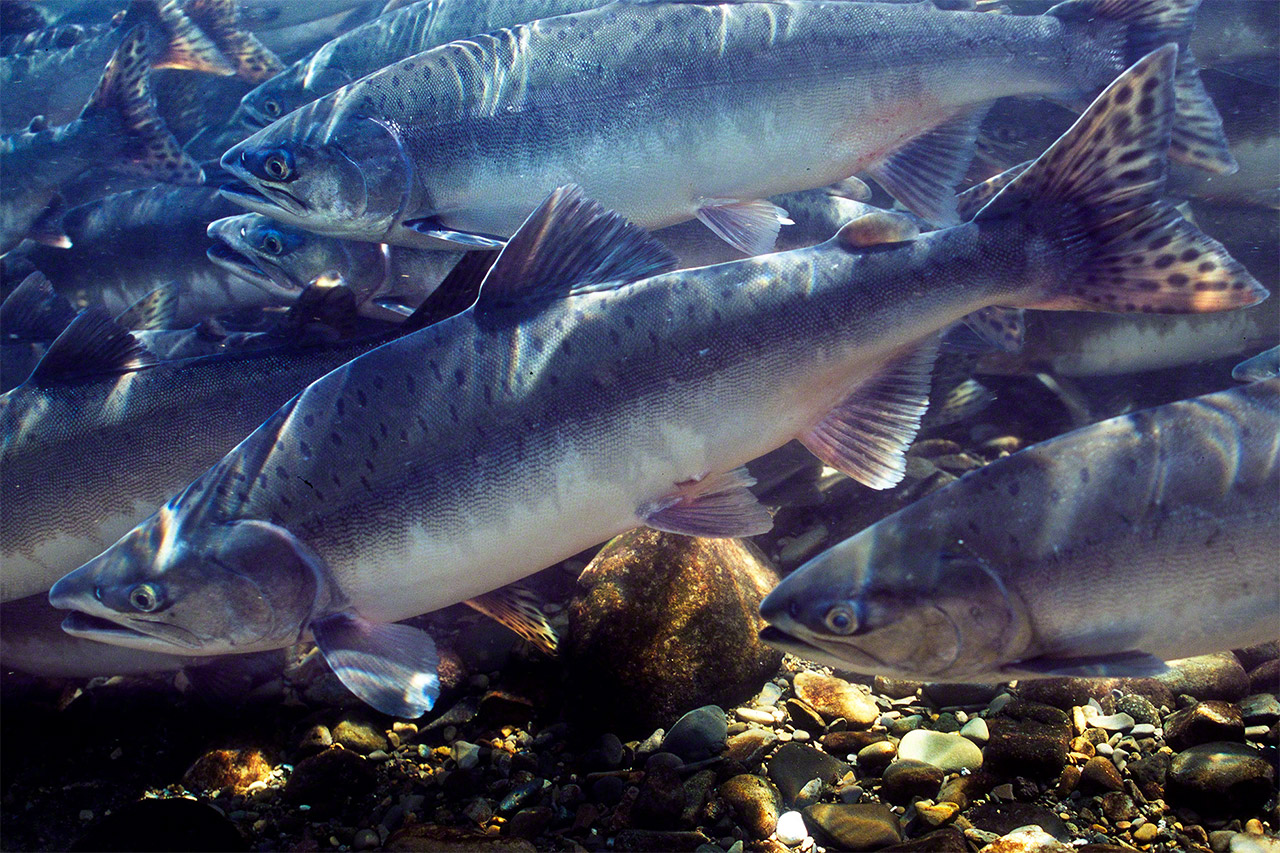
<point x="117" y="129"/>
<point x="665" y="112"/>
<point x="589" y="390"/>
<point x="1105" y="551"/>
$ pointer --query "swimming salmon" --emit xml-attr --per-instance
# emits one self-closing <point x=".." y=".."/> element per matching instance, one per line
<point x="589" y="390"/>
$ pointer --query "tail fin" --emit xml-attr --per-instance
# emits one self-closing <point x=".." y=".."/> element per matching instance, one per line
<point x="1097" y="190"/>
<point x="125" y="92"/>
<point x="1198" y="139"/>
<point x="254" y="62"/>
<point x="184" y="45"/>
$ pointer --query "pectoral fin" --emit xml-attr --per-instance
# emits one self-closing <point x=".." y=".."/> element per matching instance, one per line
<point x="436" y="230"/>
<point x="1131" y="664"/>
<point x="390" y="667"/>
<point x="751" y="227"/>
<point x="718" y="505"/>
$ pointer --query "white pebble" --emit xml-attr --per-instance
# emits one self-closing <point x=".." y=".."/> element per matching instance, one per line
<point x="1120" y="722"/>
<point x="1143" y="730"/>
<point x="752" y="715"/>
<point x="1104" y="749"/>
<point x="791" y="829"/>
<point x="976" y="730"/>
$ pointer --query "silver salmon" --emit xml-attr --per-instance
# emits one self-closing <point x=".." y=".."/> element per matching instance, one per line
<point x="588" y="391"/>
<point x="665" y="112"/>
<point x="1103" y="552"/>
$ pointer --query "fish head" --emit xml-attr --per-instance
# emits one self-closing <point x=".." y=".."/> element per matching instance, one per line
<point x="895" y="606"/>
<point x="222" y="589"/>
<point x="326" y="168"/>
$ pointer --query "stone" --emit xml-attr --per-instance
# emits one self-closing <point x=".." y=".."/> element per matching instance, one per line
<point x="1118" y="722"/>
<point x="964" y="790"/>
<point x="1260" y="709"/>
<point x="315" y="739"/>
<point x="1002" y="818"/>
<point x="1204" y="722"/>
<point x="452" y="839"/>
<point x="749" y="747"/>
<point x="697" y="634"/>
<point x="794" y="764"/>
<point x="945" y="840"/>
<point x="754" y="802"/>
<point x="529" y="823"/>
<point x="660" y="804"/>
<point x="360" y="735"/>
<point x="1215" y="676"/>
<point x="699" y="734"/>
<point x="1027" y="839"/>
<point x="1149" y="773"/>
<point x="853" y="827"/>
<point x="1098" y="775"/>
<point x="1265" y="677"/>
<point x="834" y="697"/>
<point x="948" y="751"/>
<point x="791" y="829"/>
<point x="648" y="840"/>
<point x="331" y="780"/>
<point x="365" y="839"/>
<point x="960" y="694"/>
<point x="873" y="758"/>
<point x="802" y="716"/>
<point x="162" y="824"/>
<point x="236" y="769"/>
<point x="1118" y="806"/>
<point x="1146" y="833"/>
<point x="936" y="814"/>
<point x="906" y="779"/>
<point x="1065" y="693"/>
<point x="1220" y="778"/>
<point x="895" y="688"/>
<point x="466" y="754"/>
<point x="1247" y="842"/>
<point x="1139" y="708"/>
<point x="849" y="743"/>
<point x="976" y="730"/>
<point x="611" y="750"/>
<point x="1027" y="747"/>
<point x="1254" y="656"/>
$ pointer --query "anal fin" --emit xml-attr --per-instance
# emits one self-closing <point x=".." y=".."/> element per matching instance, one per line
<point x="390" y="667"/>
<point x="867" y="435"/>
<point x="923" y="173"/>
<point x="93" y="343"/>
<point x="1131" y="664"/>
<point x="751" y="227"/>
<point x="518" y="609"/>
<point x="717" y="505"/>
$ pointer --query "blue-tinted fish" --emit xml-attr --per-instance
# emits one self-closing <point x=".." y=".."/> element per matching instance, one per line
<point x="589" y="390"/>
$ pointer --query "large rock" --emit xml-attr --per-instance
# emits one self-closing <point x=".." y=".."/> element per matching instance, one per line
<point x="904" y="781"/>
<point x="754" y="802"/>
<point x="1204" y="722"/>
<point x="661" y="621"/>
<point x="1026" y="747"/>
<point x="858" y="826"/>
<point x="699" y="734"/>
<point x="794" y="765"/>
<point x="1221" y="778"/>
<point x="1216" y="676"/>
<point x="834" y="697"/>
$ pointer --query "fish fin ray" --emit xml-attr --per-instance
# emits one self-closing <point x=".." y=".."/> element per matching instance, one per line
<point x="1264" y="365"/>
<point x="852" y="188"/>
<point x="432" y="227"/>
<point x="1098" y="190"/>
<point x="718" y="506"/>
<point x="185" y="45"/>
<point x="1003" y="329"/>
<point x="969" y="202"/>
<point x="391" y="667"/>
<point x="751" y="226"/>
<point x="157" y="310"/>
<point x="867" y="435"/>
<point x="1128" y="664"/>
<point x="48" y="229"/>
<point x="960" y="404"/>
<point x="517" y="608"/>
<point x="567" y="245"/>
<point x="923" y="173"/>
<point x="93" y="343"/>
<point x="34" y="311"/>
<point x="326" y="309"/>
<point x="254" y="62"/>
<point x="880" y="227"/>
<point x="456" y="292"/>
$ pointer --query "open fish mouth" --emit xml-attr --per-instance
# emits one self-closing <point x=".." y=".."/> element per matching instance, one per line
<point x="264" y="199"/>
<point x="158" y="636"/>
<point x="222" y="255"/>
<point x="780" y="639"/>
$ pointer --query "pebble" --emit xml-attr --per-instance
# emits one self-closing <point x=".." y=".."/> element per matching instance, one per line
<point x="1100" y="774"/>
<point x="1215" y="676"/>
<point x="1118" y="722"/>
<point x="948" y="751"/>
<point x="466" y="754"/>
<point x="1244" y="842"/>
<point x="365" y="839"/>
<point x="1204" y="722"/>
<point x="976" y="730"/>
<point x="834" y="697"/>
<point x="905" y="780"/>
<point x="1146" y="833"/>
<point x="1220" y="777"/>
<point x="794" y="764"/>
<point x="749" y="746"/>
<point x="768" y="695"/>
<point x="1026" y="747"/>
<point x="1143" y="730"/>
<point x="1026" y="839"/>
<point x="753" y="715"/>
<point x="936" y="814"/>
<point x="236" y="769"/>
<point x="360" y="735"/>
<point x="791" y="829"/>
<point x="698" y="735"/>
<point x="1139" y="708"/>
<point x="754" y="801"/>
<point x="803" y="716"/>
<point x="860" y="826"/>
<point x="873" y="758"/>
<point x="1260" y="709"/>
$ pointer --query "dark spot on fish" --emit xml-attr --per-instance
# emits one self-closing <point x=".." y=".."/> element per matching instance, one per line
<point x="453" y="412"/>
<point x="341" y="406"/>
<point x="362" y="398"/>
<point x="1146" y="106"/>
<point x="1054" y="496"/>
<point x="309" y="419"/>
<point x="1014" y="488"/>
<point x="1148" y="284"/>
<point x="488" y="395"/>
<point x="1122" y="95"/>
<point x="422" y="423"/>
<point x="404" y="435"/>
<point x="304" y="449"/>
<point x="1189" y="255"/>
<point x="435" y="370"/>
<point x="1084" y="475"/>
<point x="281" y="472"/>
<point x="337" y="481"/>
<point x="1163" y="261"/>
<point x="1131" y="465"/>
<point x="373" y="443"/>
<point x="1150" y="84"/>
<point x="629" y="321"/>
<point x="615" y="337"/>
<point x="1178" y="280"/>
<point x="460" y="376"/>
<point x="368" y="463"/>
<point x="553" y="379"/>
<point x="335" y="438"/>
<point x="1160" y="242"/>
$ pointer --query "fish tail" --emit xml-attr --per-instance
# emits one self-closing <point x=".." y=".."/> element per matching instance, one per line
<point x="218" y="19"/>
<point x="1197" y="138"/>
<point x="184" y="45"/>
<point x="124" y="93"/>
<point x="1097" y="190"/>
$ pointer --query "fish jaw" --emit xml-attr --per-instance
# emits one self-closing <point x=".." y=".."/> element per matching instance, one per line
<point x="236" y="252"/>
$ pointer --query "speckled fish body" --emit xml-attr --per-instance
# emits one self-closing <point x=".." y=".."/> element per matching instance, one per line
<point x="1104" y="551"/>
<point x="394" y="36"/>
<point x="666" y="111"/>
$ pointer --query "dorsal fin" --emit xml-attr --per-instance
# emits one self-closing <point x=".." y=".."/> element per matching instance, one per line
<point x="92" y="344"/>
<point x="34" y="311"/>
<point x="455" y="294"/>
<point x="570" y="244"/>
<point x="157" y="310"/>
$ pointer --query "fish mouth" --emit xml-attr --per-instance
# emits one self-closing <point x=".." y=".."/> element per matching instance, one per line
<point x="240" y="265"/>
<point x="264" y="199"/>
<point x="157" y="636"/>
<point x="780" y="639"/>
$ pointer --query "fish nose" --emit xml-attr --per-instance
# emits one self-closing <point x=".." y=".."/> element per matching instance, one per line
<point x="65" y="591"/>
<point x="777" y="606"/>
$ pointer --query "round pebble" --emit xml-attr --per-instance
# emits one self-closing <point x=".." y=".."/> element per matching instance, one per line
<point x="791" y="829"/>
<point x="948" y="751"/>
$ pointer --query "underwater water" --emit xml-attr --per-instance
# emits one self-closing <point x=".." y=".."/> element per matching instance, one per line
<point x="559" y="425"/>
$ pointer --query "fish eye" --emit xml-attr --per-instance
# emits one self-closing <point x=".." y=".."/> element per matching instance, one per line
<point x="272" y="244"/>
<point x="271" y="108"/>
<point x="841" y="619"/>
<point x="277" y="166"/>
<point x="143" y="597"/>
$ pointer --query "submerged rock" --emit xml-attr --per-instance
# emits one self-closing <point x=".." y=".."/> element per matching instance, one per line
<point x="834" y="697"/>
<point x="661" y="621"/>
<point x="1219" y="777"/>
<point x="858" y="826"/>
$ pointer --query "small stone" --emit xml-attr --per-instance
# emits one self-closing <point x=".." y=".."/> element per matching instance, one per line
<point x="529" y="823"/>
<point x="791" y="829"/>
<point x="753" y="715"/>
<point x="1026" y="839"/>
<point x="465" y="754"/>
<point x="1220" y="778"/>
<point x="86" y="814"/>
<point x="948" y="751"/>
<point x="1119" y="722"/>
<point x="698" y="735"/>
<point x="1260" y="709"/>
<point x="360" y="735"/>
<point x="1099" y="774"/>
<point x="330" y="780"/>
<point x="1118" y="806"/>
<point x="794" y="764"/>
<point x="749" y="747"/>
<point x="847" y="743"/>
<point x="1265" y="677"/>
<point x="976" y="730"/>
<point x="834" y="697"/>
<point x="809" y="794"/>
<point x="899" y="726"/>
<point x="1005" y="817"/>
<point x="611" y="750"/>
<point x="236" y="769"/>
<point x="754" y="802"/>
<point x="1140" y="708"/>
<point x="1146" y="833"/>
<point x="768" y="695"/>
<point x="316" y="738"/>
<point x="860" y="826"/>
<point x="365" y="839"/>
<point x="1142" y="730"/>
<point x="1027" y="747"/>
<point x="906" y="779"/>
<point x="804" y="717"/>
<point x="608" y="790"/>
<point x="1204" y="722"/>
<point x="937" y="814"/>
<point x="873" y="758"/>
